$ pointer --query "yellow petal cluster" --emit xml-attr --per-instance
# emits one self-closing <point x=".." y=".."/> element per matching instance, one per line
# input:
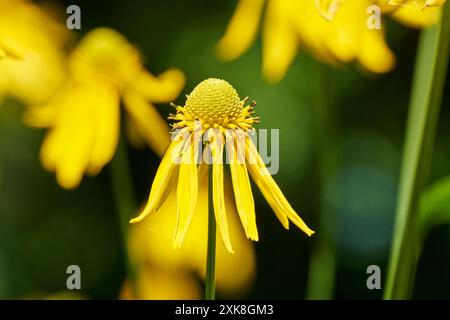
<point x="335" y="31"/>
<point x="83" y="117"/>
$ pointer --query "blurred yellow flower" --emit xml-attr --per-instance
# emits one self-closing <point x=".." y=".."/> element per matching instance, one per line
<point x="343" y="36"/>
<point x="83" y="117"/>
<point x="151" y="248"/>
<point x="214" y="110"/>
<point x="34" y="42"/>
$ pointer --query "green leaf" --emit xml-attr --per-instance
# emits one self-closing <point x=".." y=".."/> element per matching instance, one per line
<point x="434" y="207"/>
<point x="426" y="97"/>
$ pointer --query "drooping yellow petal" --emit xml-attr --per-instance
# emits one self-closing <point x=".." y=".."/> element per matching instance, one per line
<point x="271" y="191"/>
<point x="68" y="163"/>
<point x="49" y="152"/>
<point x="84" y="125"/>
<point x="148" y="122"/>
<point x="375" y="55"/>
<point x="280" y="42"/>
<point x="242" y="190"/>
<point x="104" y="102"/>
<point x="216" y="143"/>
<point x="187" y="191"/>
<point x="165" y="178"/>
<point x="343" y="34"/>
<point x="241" y="31"/>
<point x="68" y="146"/>
<point x="265" y="190"/>
<point x="71" y="167"/>
<point x="162" y="88"/>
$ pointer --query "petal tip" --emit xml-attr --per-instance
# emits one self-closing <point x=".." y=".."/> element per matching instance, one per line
<point x="137" y="219"/>
<point x="134" y="220"/>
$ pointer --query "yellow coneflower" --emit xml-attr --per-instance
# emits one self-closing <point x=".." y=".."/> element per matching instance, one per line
<point x="342" y="37"/>
<point x="32" y="42"/>
<point x="215" y="112"/>
<point x="83" y="118"/>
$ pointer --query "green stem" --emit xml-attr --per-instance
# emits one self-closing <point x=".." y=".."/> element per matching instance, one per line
<point x="322" y="267"/>
<point x="210" y="279"/>
<point x="426" y="98"/>
<point x="125" y="201"/>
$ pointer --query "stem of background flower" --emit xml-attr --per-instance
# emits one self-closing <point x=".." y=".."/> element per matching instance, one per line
<point x="125" y="201"/>
<point x="426" y="98"/>
<point x="322" y="266"/>
<point x="210" y="278"/>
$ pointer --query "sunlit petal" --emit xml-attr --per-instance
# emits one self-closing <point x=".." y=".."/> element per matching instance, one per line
<point x="241" y="31"/>
<point x="187" y="191"/>
<point x="279" y="41"/>
<point x="243" y="193"/>
<point x="218" y="189"/>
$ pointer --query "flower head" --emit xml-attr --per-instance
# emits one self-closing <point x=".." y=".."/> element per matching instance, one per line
<point x="215" y="116"/>
<point x="83" y="118"/>
<point x="215" y="104"/>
